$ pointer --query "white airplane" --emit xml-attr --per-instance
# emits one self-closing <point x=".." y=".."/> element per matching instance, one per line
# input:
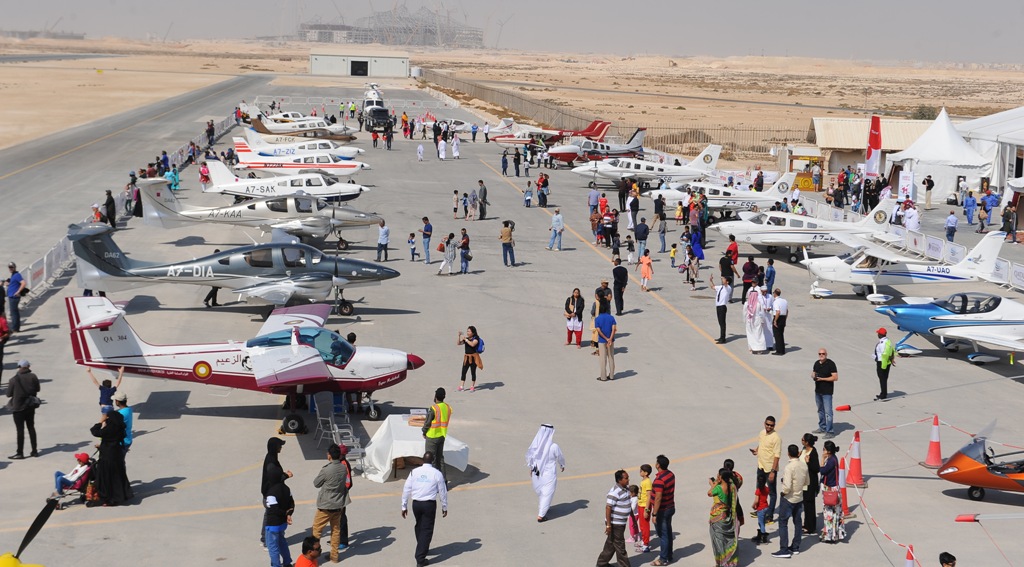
<point x="310" y="184"/>
<point x="314" y="127"/>
<point x="872" y="265"/>
<point x="721" y="198"/>
<point x="290" y="116"/>
<point x="291" y="354"/>
<point x="320" y="160"/>
<point x="253" y="142"/>
<point x="773" y="229"/>
<point x="632" y="168"/>
<point x="592" y="150"/>
<point x="295" y="215"/>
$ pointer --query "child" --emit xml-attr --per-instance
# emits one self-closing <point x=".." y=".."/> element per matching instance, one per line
<point x="679" y="213"/>
<point x="630" y="248"/>
<point x="616" y="244"/>
<point x="465" y="206"/>
<point x="63" y="481"/>
<point x="528" y="194"/>
<point x="412" y="246"/>
<point x="686" y="236"/>
<point x="455" y="205"/>
<point x="761" y="506"/>
<point x="672" y="255"/>
<point x="634" y="529"/>
<point x="374" y="137"/>
<point x="107" y="390"/>
<point x="646" y="486"/>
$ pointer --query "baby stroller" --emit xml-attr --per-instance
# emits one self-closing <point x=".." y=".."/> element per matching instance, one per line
<point x="81" y="488"/>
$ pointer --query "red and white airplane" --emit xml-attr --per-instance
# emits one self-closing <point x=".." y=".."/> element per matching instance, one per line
<point x="530" y="135"/>
<point x="322" y="160"/>
<point x="292" y="354"/>
<point x="593" y="150"/>
<point x="254" y="143"/>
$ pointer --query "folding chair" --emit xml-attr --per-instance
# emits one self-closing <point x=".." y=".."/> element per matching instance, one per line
<point x="326" y="427"/>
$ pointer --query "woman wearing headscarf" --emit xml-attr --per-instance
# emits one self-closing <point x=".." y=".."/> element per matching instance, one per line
<point x="111" y="475"/>
<point x="753" y="316"/>
<point x="543" y="456"/>
<point x="832" y="515"/>
<point x="449" y="247"/>
<point x="810" y="456"/>
<point x="273" y="473"/>
<point x="722" y="519"/>
<point x="574" y="318"/>
<point x="474" y="205"/>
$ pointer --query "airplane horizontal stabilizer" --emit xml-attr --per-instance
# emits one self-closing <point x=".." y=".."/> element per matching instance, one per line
<point x="314" y="315"/>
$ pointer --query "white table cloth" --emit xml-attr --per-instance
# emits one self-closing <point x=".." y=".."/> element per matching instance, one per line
<point x="396" y="438"/>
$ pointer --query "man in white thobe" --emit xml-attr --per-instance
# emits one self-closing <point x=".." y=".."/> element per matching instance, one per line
<point x="542" y="457"/>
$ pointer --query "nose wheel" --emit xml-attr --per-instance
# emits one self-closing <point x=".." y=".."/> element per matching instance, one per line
<point x="976" y="493"/>
<point x="345" y="308"/>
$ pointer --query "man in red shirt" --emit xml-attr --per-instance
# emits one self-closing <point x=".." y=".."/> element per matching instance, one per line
<point x="734" y="250"/>
<point x="310" y="552"/>
<point x="663" y="508"/>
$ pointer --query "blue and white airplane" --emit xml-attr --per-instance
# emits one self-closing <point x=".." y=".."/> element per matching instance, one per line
<point x="872" y="265"/>
<point x="971" y="316"/>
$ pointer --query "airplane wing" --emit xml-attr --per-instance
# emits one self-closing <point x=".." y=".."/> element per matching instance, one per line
<point x="312" y="225"/>
<point x="299" y="316"/>
<point x="858" y="242"/>
<point x="986" y="334"/>
<point x="288" y="365"/>
<point x="280" y="291"/>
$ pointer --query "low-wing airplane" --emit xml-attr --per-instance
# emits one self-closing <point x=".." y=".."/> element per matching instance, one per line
<point x="253" y="142"/>
<point x="318" y="128"/>
<point x="728" y="199"/>
<point x="977" y="466"/>
<point x="633" y="168"/>
<point x="322" y="160"/>
<point x="872" y="265"/>
<point x="295" y="215"/>
<point x="291" y="354"/>
<point x="310" y="184"/>
<point x="530" y="135"/>
<point x="592" y="150"/>
<point x="972" y="317"/>
<point x="773" y="229"/>
<point x="279" y="273"/>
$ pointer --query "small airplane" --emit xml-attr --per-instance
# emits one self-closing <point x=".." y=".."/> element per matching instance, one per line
<point x="530" y="135"/>
<point x="975" y="466"/>
<point x="872" y="265"/>
<point x="254" y="143"/>
<point x="279" y="273"/>
<point x="291" y="354"/>
<point x="633" y="168"/>
<point x="290" y="116"/>
<point x="309" y="184"/>
<point x="317" y="128"/>
<point x="773" y="229"/>
<point x="973" y="317"/>
<point x="729" y="199"/>
<point x="295" y="215"/>
<point x="591" y="150"/>
<point x="321" y="160"/>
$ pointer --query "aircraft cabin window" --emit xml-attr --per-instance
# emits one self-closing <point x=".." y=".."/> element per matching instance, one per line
<point x="759" y="219"/>
<point x="293" y="257"/>
<point x="650" y="168"/>
<point x="323" y="159"/>
<point x="224" y="261"/>
<point x="296" y="183"/>
<point x="313" y="182"/>
<point x="251" y="207"/>
<point x="796" y="223"/>
<point x="334" y="349"/>
<point x="324" y="146"/>
<point x="304" y="205"/>
<point x="320" y="204"/>
<point x="868" y="262"/>
<point x="636" y="166"/>
<point x="277" y="206"/>
<point x="308" y="160"/>
<point x="812" y="225"/>
<point x="776" y="221"/>
<point x="259" y="258"/>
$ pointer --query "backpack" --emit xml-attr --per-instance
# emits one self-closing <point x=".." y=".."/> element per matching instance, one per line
<point x="479" y="345"/>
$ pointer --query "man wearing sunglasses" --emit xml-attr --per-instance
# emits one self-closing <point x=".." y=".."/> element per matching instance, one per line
<point x="825" y="376"/>
<point x="768" y="452"/>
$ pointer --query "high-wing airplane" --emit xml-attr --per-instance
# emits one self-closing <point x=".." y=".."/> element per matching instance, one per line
<point x="291" y="354"/>
<point x="632" y="168"/>
<point x="310" y="184"/>
<point x="322" y="160"/>
<point x="726" y="199"/>
<point x="872" y="265"/>
<point x="529" y="135"/>
<point x="972" y="317"/>
<point x="773" y="229"/>
<point x="592" y="150"/>
<point x="279" y="273"/>
<point x="253" y="142"/>
<point x="318" y="128"/>
<point x="298" y="216"/>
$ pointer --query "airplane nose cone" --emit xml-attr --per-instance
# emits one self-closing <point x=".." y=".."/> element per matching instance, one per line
<point x="387" y="273"/>
<point x="414" y="361"/>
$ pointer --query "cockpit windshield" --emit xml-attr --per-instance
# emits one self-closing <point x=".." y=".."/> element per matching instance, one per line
<point x="332" y="348"/>
<point x="757" y="219"/>
<point x="969" y="303"/>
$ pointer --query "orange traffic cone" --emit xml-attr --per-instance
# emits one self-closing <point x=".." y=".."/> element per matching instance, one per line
<point x="842" y="490"/>
<point x="855" y="478"/>
<point x="910" y="556"/>
<point x="843" y="408"/>
<point x="934" y="458"/>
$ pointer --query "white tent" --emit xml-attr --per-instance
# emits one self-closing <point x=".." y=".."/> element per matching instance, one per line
<point x="998" y="137"/>
<point x="942" y="153"/>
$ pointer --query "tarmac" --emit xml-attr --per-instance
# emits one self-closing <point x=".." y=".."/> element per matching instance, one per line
<point x="195" y="463"/>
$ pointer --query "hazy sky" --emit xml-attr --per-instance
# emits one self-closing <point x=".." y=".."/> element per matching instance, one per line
<point x="936" y="30"/>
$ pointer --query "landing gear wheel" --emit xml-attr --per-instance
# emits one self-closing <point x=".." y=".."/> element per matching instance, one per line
<point x="975" y="493"/>
<point x="346" y="309"/>
<point x="772" y="249"/>
<point x="793" y="258"/>
<point x="342" y="244"/>
<point x="293" y="423"/>
<point x="373" y="413"/>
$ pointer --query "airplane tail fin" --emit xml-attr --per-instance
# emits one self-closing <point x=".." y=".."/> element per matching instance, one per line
<point x="590" y="129"/>
<point x="219" y="175"/>
<point x="879" y="216"/>
<point x="600" y="132"/>
<point x="783" y="186"/>
<point x="981" y="260"/>
<point x="708" y="159"/>
<point x="257" y="124"/>
<point x="100" y="263"/>
<point x="637" y="140"/>
<point x="240" y="145"/>
<point x="160" y="205"/>
<point x="100" y="337"/>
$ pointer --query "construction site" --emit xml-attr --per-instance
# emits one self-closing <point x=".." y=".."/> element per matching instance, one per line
<point x="398" y="27"/>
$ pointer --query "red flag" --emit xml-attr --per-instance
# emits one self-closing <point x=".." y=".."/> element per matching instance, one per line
<point x="874" y="153"/>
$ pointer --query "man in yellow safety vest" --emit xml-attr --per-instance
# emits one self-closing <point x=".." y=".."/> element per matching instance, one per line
<point x="435" y="429"/>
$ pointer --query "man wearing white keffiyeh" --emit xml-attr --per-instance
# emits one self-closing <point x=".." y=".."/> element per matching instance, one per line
<point x="542" y="458"/>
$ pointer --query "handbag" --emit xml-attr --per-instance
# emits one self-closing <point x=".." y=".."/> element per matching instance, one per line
<point x="440" y="247"/>
<point x="469" y="257"/>
<point x="32" y="402"/>
<point x="830" y="497"/>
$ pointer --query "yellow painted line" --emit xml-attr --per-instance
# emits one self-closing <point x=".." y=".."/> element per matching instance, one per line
<point x="108" y="136"/>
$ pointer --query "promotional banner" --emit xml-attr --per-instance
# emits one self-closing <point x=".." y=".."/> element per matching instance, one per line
<point x="873" y="156"/>
<point x="906" y="187"/>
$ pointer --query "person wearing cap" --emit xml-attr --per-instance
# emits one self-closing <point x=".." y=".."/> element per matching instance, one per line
<point x="62" y="481"/>
<point x="435" y="428"/>
<point x="96" y="215"/>
<point x="111" y="209"/>
<point x="20" y="389"/>
<point x="334" y="481"/>
<point x="120" y="400"/>
<point x="5" y="335"/>
<point x="885" y="356"/>
<point x="273" y="473"/>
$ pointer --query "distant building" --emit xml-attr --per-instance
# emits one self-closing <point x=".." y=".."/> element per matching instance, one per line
<point x="344" y="63"/>
<point x="398" y="27"/>
<point x="843" y="141"/>
<point x="32" y="34"/>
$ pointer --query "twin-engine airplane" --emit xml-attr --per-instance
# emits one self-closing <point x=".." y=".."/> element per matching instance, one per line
<point x="729" y="199"/>
<point x="314" y="185"/>
<point x="318" y="128"/>
<point x="253" y="142"/>
<point x="291" y="354"/>
<point x="643" y="170"/>
<point x="279" y="273"/>
<point x="593" y="150"/>
<point x="530" y="135"/>
<point x="298" y="216"/>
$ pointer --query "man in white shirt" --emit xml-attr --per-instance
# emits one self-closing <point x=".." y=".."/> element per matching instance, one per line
<point x="423" y="486"/>
<point x="723" y="295"/>
<point x="487" y="131"/>
<point x="794" y="483"/>
<point x="911" y="218"/>
<point x="780" y="309"/>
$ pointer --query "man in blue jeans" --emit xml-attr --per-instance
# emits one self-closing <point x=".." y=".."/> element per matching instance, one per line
<point x="794" y="483"/>
<point x="641" y="232"/>
<point x="557" y="226"/>
<point x="663" y="508"/>
<point x="825" y="376"/>
<point x="426" y="231"/>
<point x="15" y="285"/>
